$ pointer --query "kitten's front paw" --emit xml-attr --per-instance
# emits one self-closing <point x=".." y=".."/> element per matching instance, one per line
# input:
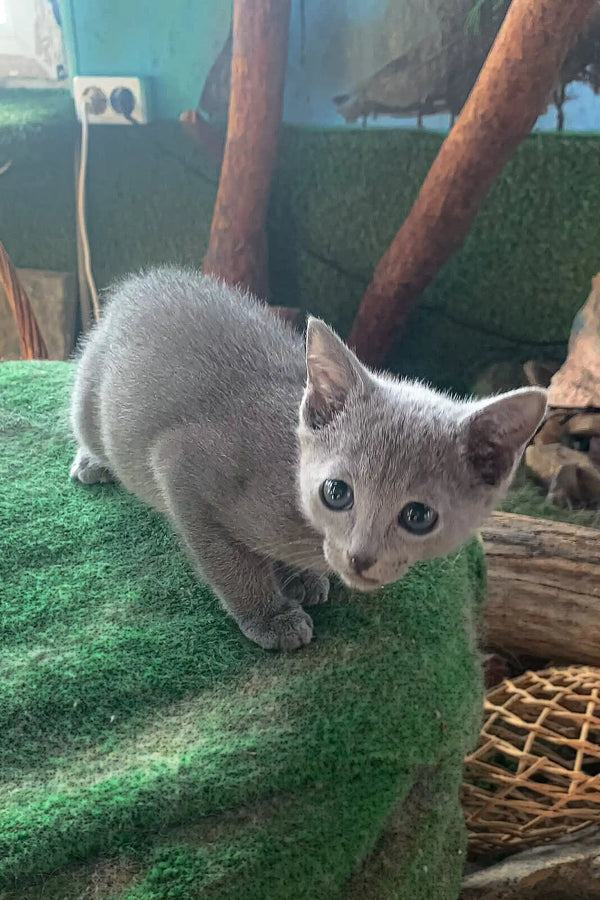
<point x="89" y="470"/>
<point x="284" y="631"/>
<point x="316" y="588"/>
<point x="306" y="588"/>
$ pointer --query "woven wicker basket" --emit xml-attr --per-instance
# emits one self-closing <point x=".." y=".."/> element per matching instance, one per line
<point x="535" y="774"/>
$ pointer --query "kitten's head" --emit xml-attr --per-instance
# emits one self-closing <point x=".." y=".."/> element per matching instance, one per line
<point x="392" y="472"/>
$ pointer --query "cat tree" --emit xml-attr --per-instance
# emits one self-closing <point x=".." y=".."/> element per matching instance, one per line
<point x="515" y="83"/>
<point x="512" y="89"/>
<point x="237" y="249"/>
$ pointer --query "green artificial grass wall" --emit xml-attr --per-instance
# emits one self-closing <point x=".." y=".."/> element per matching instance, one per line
<point x="339" y="196"/>
<point x="37" y="208"/>
<point x="149" y="751"/>
<point x="510" y="292"/>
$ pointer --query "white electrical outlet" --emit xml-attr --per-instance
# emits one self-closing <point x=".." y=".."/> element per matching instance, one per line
<point x="101" y="95"/>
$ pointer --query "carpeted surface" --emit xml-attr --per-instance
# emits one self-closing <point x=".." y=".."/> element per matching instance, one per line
<point x="148" y="751"/>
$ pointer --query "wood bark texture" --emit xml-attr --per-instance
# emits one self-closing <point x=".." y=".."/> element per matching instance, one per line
<point x="543" y="588"/>
<point x="30" y="336"/>
<point x="237" y="249"/>
<point x="511" y="91"/>
<point x="577" y="382"/>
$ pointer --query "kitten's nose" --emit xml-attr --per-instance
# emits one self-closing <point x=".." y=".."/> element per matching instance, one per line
<point x="360" y="563"/>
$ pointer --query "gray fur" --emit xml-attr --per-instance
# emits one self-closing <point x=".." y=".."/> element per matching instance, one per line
<point x="197" y="399"/>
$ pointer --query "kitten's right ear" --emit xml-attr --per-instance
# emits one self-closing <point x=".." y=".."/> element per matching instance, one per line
<point x="333" y="371"/>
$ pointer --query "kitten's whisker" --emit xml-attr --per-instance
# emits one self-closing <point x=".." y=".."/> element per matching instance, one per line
<point x="299" y="563"/>
<point x="303" y="564"/>
<point x="295" y="560"/>
<point x="296" y="563"/>
<point x="275" y="546"/>
<point x="291" y="558"/>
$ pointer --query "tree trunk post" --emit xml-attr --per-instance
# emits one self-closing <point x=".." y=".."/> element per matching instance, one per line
<point x="513" y="87"/>
<point x="237" y="249"/>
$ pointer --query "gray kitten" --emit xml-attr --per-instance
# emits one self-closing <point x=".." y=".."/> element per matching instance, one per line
<point x="278" y="465"/>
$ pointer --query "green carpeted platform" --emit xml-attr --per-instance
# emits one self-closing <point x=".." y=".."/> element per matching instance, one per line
<point x="149" y="752"/>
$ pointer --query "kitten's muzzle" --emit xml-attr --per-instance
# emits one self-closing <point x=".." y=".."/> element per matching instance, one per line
<point x="351" y="567"/>
<point x="360" y="582"/>
<point x="361" y="563"/>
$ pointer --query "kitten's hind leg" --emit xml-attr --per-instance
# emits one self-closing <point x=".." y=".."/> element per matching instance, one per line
<point x="244" y="581"/>
<point x="89" y="469"/>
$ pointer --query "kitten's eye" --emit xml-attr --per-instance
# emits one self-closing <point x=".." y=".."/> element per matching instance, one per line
<point x="337" y="494"/>
<point x="418" y="518"/>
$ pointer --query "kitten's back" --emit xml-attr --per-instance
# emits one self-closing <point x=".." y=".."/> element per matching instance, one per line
<point x="177" y="346"/>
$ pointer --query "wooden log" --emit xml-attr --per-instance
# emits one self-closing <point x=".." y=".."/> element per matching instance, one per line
<point x="510" y="93"/>
<point x="237" y="249"/>
<point x="30" y="336"/>
<point x="565" y="868"/>
<point x="543" y="588"/>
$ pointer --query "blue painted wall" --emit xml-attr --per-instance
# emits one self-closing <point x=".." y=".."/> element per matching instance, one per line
<point x="330" y="51"/>
<point x="173" y="43"/>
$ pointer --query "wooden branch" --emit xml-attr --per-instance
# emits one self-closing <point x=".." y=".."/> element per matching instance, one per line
<point x="237" y="250"/>
<point x="30" y="336"/>
<point x="512" y="89"/>
<point x="543" y="588"/>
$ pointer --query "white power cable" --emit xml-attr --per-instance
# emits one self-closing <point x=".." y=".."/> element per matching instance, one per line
<point x="81" y="220"/>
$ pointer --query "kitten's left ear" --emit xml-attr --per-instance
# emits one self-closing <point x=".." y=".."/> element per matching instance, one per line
<point x="498" y="431"/>
<point x="333" y="372"/>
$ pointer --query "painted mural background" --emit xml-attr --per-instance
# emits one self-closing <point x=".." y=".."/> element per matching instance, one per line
<point x="418" y="58"/>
